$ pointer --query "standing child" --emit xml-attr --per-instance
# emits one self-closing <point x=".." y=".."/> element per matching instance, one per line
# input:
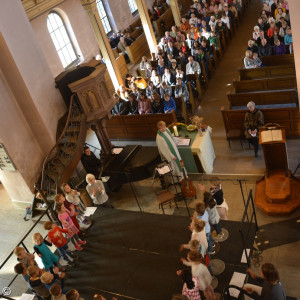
<point x="201" y="213"/>
<point x="72" y="196"/>
<point x="48" y="279"/>
<point x="48" y="258"/>
<point x="190" y="284"/>
<point x="214" y="217"/>
<point x="56" y="292"/>
<point x="59" y="198"/>
<point x="198" y="233"/>
<point x="55" y="234"/>
<point x="36" y="284"/>
<point x="199" y="269"/>
<point x="67" y="223"/>
<point x="217" y="192"/>
<point x="25" y="258"/>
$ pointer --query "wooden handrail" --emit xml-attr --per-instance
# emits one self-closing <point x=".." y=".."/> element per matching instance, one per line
<point x="58" y="140"/>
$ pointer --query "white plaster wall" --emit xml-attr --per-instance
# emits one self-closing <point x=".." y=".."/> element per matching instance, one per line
<point x="81" y="27"/>
<point x="31" y="63"/>
<point x="21" y="145"/>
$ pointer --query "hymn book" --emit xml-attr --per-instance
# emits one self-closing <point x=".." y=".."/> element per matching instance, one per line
<point x="273" y="135"/>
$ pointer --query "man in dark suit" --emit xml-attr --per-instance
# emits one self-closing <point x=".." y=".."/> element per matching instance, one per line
<point x="229" y="14"/>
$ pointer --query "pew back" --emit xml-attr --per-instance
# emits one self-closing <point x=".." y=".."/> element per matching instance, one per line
<point x="132" y="127"/>
<point x="288" y="117"/>
<point x="277" y="60"/>
<point x="265" y="84"/>
<point x="267" y="72"/>
<point x="166" y="20"/>
<point x="138" y="49"/>
<point x="263" y="98"/>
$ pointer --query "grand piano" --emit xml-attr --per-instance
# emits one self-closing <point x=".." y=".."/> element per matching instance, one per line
<point x="133" y="163"/>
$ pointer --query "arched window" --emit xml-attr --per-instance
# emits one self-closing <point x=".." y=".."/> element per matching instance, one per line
<point x="132" y="6"/>
<point x="103" y="16"/>
<point x="61" y="39"/>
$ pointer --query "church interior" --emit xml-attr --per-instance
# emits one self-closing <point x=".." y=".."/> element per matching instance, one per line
<point x="56" y="100"/>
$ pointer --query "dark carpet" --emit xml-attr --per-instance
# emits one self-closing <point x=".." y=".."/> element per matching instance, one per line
<point x="279" y="233"/>
<point x="135" y="255"/>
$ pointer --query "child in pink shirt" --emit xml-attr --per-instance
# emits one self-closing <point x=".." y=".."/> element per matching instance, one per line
<point x="67" y="223"/>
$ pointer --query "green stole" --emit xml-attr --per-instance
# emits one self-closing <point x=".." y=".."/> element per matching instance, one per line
<point x="170" y="146"/>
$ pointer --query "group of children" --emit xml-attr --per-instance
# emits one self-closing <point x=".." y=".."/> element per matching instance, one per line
<point x="49" y="281"/>
<point x="201" y="245"/>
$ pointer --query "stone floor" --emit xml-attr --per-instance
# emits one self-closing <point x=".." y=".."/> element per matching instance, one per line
<point x="241" y="164"/>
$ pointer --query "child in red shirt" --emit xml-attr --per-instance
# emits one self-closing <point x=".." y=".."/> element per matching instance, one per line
<point x="55" y="234"/>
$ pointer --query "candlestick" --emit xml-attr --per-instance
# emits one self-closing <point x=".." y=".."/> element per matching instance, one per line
<point x="175" y="131"/>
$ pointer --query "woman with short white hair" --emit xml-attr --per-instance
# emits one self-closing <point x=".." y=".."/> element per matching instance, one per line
<point x="97" y="192"/>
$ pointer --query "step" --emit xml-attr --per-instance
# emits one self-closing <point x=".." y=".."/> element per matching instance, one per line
<point x="67" y="150"/>
<point x="73" y="130"/>
<point x="277" y="209"/>
<point x="278" y="187"/>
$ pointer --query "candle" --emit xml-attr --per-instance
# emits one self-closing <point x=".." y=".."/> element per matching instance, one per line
<point x="175" y="130"/>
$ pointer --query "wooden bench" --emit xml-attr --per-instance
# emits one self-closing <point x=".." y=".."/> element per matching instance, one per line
<point x="138" y="49"/>
<point x="265" y="84"/>
<point x="263" y="97"/>
<point x="288" y="117"/>
<point x="278" y="60"/>
<point x="133" y="127"/>
<point x="135" y="24"/>
<point x="167" y="19"/>
<point x="267" y="72"/>
<point x="136" y="33"/>
<point x="122" y="66"/>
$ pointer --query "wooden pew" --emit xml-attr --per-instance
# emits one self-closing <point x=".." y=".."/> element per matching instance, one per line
<point x="277" y="60"/>
<point x="136" y="33"/>
<point x="265" y="84"/>
<point x="122" y="66"/>
<point x="138" y="49"/>
<point x="135" y="24"/>
<point x="166" y="17"/>
<point x="288" y="117"/>
<point x="267" y="72"/>
<point x="263" y="97"/>
<point x="132" y="127"/>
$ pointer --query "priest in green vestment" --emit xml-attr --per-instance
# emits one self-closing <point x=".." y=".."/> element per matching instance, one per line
<point x="168" y="149"/>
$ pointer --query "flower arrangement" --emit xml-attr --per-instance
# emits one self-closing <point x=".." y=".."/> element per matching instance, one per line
<point x="179" y="126"/>
<point x="197" y="121"/>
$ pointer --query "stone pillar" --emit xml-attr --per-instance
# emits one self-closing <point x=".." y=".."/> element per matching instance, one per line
<point x="147" y="26"/>
<point x="175" y="11"/>
<point x="295" y="21"/>
<point x="102" y="136"/>
<point x="105" y="48"/>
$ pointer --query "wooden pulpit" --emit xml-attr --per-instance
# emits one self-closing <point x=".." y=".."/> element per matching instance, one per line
<point x="273" y="142"/>
<point x="276" y="193"/>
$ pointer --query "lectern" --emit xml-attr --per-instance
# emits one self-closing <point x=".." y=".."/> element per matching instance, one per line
<point x="276" y="193"/>
<point x="273" y="142"/>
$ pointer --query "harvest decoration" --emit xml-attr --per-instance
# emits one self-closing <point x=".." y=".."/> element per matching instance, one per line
<point x="179" y="126"/>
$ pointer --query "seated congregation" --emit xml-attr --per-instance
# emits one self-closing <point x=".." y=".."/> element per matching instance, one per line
<point x="185" y="59"/>
<point x="268" y="76"/>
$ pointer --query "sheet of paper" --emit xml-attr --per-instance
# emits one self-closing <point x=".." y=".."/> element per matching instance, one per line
<point x="266" y="136"/>
<point x="277" y="135"/>
<point x="26" y="296"/>
<point x="244" y="259"/>
<point x="90" y="211"/>
<point x="164" y="170"/>
<point x="182" y="141"/>
<point x="237" y="279"/>
<point x="117" y="150"/>
<point x="271" y="135"/>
